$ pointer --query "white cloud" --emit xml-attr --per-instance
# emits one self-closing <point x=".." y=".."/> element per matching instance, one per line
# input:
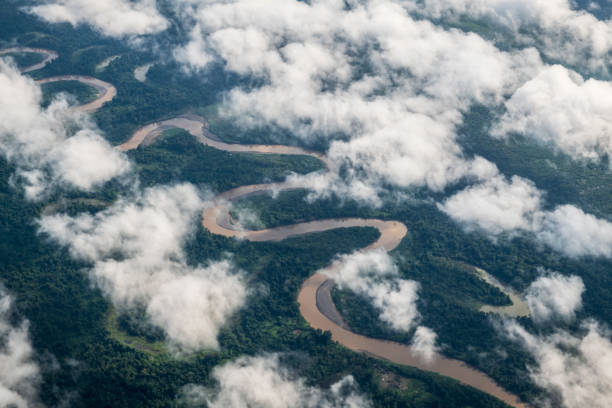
<point x="375" y="275"/>
<point x="561" y="32"/>
<point x="246" y="217"/>
<point x="397" y="301"/>
<point x="140" y="73"/>
<point x="194" y="54"/>
<point x="576" y="369"/>
<point x="554" y="296"/>
<point x="115" y="18"/>
<point x="85" y="160"/>
<point x="393" y="86"/>
<point x="499" y="206"/>
<point x="136" y="250"/>
<point x="19" y="374"/>
<point x="570" y="230"/>
<point x="43" y="144"/>
<point x="560" y="108"/>
<point x="495" y="206"/>
<point x="424" y="343"/>
<point x="263" y="382"/>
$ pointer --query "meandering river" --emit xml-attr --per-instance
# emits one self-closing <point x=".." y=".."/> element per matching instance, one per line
<point x="106" y="91"/>
<point x="314" y="297"/>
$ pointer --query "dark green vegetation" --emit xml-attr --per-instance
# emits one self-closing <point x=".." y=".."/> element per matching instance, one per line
<point x="75" y="206"/>
<point x="78" y="92"/>
<point x="26" y="59"/>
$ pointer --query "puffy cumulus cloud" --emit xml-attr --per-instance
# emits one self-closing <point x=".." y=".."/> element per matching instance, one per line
<point x="43" y="144"/>
<point x="387" y="91"/>
<point x="263" y="381"/>
<point x="424" y="343"/>
<point x="86" y="160"/>
<point x="496" y="206"/>
<point x="570" y="230"/>
<point x="575" y="369"/>
<point x="560" y="32"/>
<point x="500" y="206"/>
<point x="247" y="218"/>
<point x="19" y="374"/>
<point x="115" y="18"/>
<point x="135" y="247"/>
<point x="560" y="108"/>
<point x="375" y="275"/>
<point x="554" y="296"/>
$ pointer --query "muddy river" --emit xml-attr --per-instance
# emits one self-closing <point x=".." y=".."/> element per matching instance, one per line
<point x="314" y="297"/>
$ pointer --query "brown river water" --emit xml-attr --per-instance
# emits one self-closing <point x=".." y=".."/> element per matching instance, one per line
<point x="216" y="218"/>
